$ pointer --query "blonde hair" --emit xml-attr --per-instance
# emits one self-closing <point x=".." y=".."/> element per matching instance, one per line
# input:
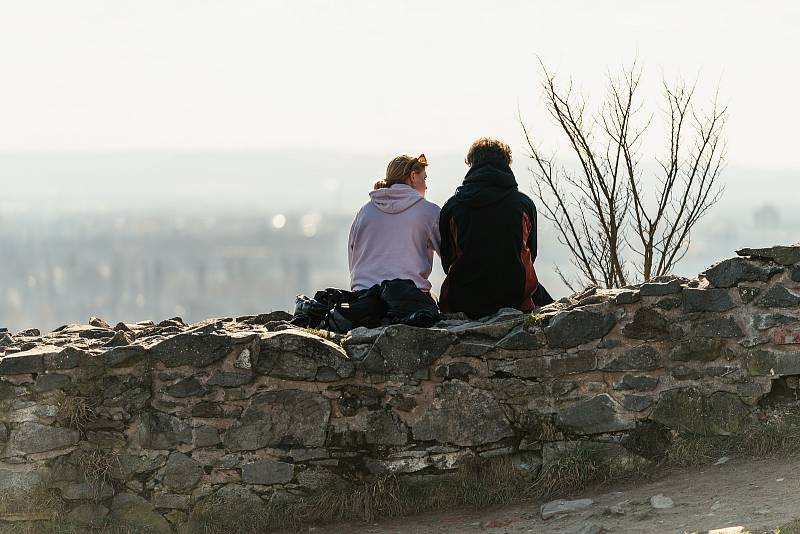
<point x="399" y="170"/>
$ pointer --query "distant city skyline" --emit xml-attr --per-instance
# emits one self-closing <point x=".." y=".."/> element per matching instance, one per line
<point x="159" y="156"/>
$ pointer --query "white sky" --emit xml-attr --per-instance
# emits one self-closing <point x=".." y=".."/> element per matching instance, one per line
<point x="375" y="76"/>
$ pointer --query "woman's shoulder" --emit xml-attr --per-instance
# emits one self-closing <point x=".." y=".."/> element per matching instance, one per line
<point x="429" y="206"/>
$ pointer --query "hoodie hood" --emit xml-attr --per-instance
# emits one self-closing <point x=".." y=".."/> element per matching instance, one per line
<point x="395" y="199"/>
<point x="487" y="184"/>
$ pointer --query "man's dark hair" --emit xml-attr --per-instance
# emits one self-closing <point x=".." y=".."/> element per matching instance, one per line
<point x="488" y="150"/>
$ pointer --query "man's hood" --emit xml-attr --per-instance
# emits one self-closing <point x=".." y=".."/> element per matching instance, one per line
<point x="395" y="199"/>
<point x="486" y="184"/>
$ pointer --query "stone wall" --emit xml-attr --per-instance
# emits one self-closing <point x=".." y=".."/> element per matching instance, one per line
<point x="143" y="421"/>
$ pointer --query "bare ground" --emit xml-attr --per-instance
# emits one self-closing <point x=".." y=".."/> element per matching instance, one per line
<point x="760" y="495"/>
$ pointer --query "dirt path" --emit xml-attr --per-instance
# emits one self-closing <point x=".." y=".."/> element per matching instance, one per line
<point x="759" y="495"/>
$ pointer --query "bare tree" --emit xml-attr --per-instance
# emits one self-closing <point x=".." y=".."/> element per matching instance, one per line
<point x="602" y="211"/>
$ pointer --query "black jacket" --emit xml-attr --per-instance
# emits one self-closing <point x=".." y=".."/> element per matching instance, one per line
<point x="488" y="231"/>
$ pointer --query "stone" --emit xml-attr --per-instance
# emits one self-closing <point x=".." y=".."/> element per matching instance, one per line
<point x="25" y="362"/>
<point x="546" y="366"/>
<point x="104" y="439"/>
<point x="627" y="297"/>
<point x="231" y="379"/>
<point x="124" y="356"/>
<point x="385" y="428"/>
<point x="575" y="327"/>
<point x="460" y="370"/>
<point x="238" y="496"/>
<point x="364" y="335"/>
<point x="688" y="410"/>
<point x="765" y="362"/>
<point x="778" y="296"/>
<point x="520" y="339"/>
<point x="7" y="391"/>
<point x="68" y="357"/>
<point x="280" y="418"/>
<point x="747" y="294"/>
<point x="658" y="289"/>
<point x="267" y="472"/>
<point x="699" y="349"/>
<point x="165" y="431"/>
<point x="724" y="327"/>
<point x="206" y="436"/>
<point x="50" y="381"/>
<point x="706" y="300"/>
<point x="493" y="328"/>
<point x="404" y="350"/>
<point x="670" y="303"/>
<point x="730" y="272"/>
<point x="188" y="387"/>
<point x="84" y="491"/>
<point x="119" y="339"/>
<point x="357" y="353"/>
<point x="782" y="255"/>
<point x="684" y="373"/>
<point x="264" y="318"/>
<point x="30" y="437"/>
<point x="88" y="515"/>
<point x="129" y="465"/>
<point x="354" y="396"/>
<point x="596" y="415"/>
<point x="641" y="358"/>
<point x="298" y="355"/>
<point x="211" y="409"/>
<point x="637" y="383"/>
<point x="98" y="322"/>
<point x="647" y="324"/>
<point x="6" y="339"/>
<point x="462" y="415"/>
<point x="171" y="501"/>
<point x="512" y="391"/>
<point x="181" y="473"/>
<point x="636" y="403"/>
<point x="19" y="478"/>
<point x="194" y="349"/>
<point x="796" y="274"/>
<point x="770" y="320"/>
<point x="137" y="512"/>
<point x="561" y="507"/>
<point x="661" y="502"/>
<point x="413" y="463"/>
<point x="89" y="332"/>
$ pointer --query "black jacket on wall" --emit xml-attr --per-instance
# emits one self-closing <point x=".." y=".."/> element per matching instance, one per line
<point x="488" y="231"/>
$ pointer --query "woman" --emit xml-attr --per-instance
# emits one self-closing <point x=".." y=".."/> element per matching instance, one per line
<point x="390" y="252"/>
<point x="395" y="234"/>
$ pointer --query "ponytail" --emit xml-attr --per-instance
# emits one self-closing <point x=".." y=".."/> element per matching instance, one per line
<point x="400" y="169"/>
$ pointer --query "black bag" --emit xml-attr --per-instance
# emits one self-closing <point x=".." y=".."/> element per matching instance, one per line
<point x="391" y="302"/>
<point x="406" y="304"/>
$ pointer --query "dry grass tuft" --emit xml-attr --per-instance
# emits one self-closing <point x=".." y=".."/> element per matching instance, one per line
<point x="777" y="436"/>
<point x="96" y="466"/>
<point x="76" y="413"/>
<point x="479" y="483"/>
<point x="32" y="502"/>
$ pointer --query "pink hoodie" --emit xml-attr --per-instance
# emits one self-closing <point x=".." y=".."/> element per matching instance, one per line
<point x="393" y="235"/>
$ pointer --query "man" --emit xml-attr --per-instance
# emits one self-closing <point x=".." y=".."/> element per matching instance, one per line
<point x="488" y="245"/>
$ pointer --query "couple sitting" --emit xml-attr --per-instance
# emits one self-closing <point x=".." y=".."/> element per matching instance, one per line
<point x="485" y="236"/>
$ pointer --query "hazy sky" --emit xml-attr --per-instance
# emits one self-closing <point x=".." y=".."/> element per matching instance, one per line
<point x="372" y="76"/>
